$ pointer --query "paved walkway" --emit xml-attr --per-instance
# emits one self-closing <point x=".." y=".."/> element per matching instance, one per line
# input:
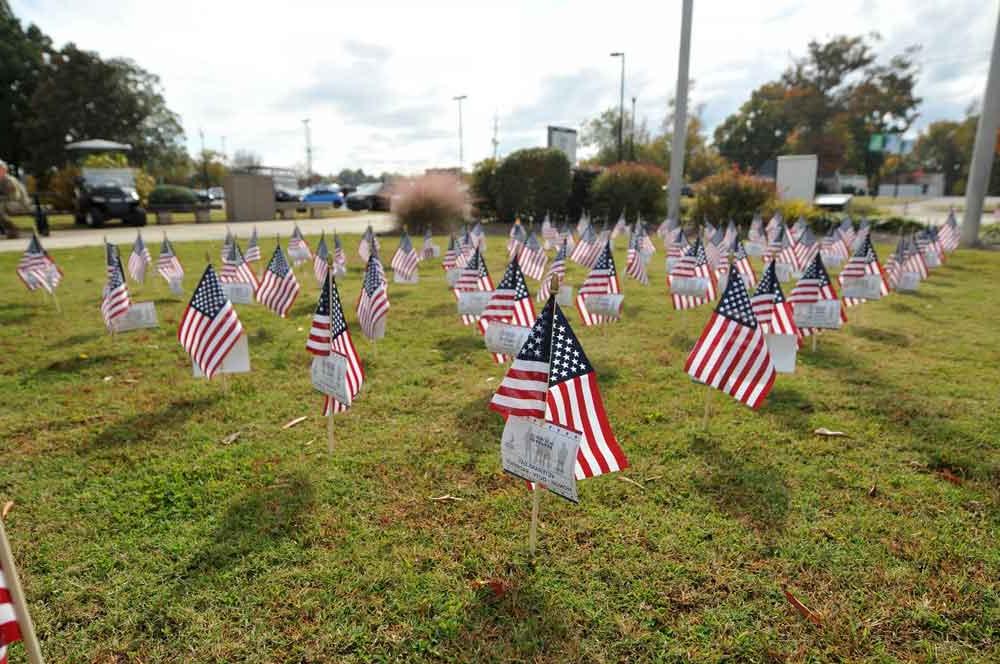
<point x="935" y="210"/>
<point x="381" y="222"/>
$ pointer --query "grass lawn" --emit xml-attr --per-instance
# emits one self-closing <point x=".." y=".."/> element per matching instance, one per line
<point x="147" y="533"/>
<point x="64" y="222"/>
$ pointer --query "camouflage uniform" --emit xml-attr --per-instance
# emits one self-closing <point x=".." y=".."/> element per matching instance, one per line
<point x="9" y="192"/>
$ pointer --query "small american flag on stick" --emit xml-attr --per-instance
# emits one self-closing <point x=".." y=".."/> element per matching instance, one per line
<point x="167" y="263"/>
<point x="226" y="243"/>
<point x="450" y="259"/>
<point x="516" y="239"/>
<point x="339" y="257"/>
<point x="551" y="378"/>
<point x="320" y="259"/>
<point x="253" y="248"/>
<point x="588" y="248"/>
<point x="602" y="280"/>
<point x="557" y="269"/>
<point x="235" y="269"/>
<point x="115" y="301"/>
<point x="864" y="262"/>
<point x="37" y="269"/>
<point x="509" y="303"/>
<point x="636" y="266"/>
<point x="474" y="277"/>
<point x="373" y="304"/>
<point x="368" y="243"/>
<point x="774" y="314"/>
<point x="549" y="232"/>
<point x="949" y="235"/>
<point x="405" y="260"/>
<point x="298" y="248"/>
<point x="139" y="259"/>
<point x="209" y="327"/>
<point x="532" y="258"/>
<point x="814" y="286"/>
<point x="279" y="287"/>
<point x="693" y="265"/>
<point x="731" y="355"/>
<point x="329" y="334"/>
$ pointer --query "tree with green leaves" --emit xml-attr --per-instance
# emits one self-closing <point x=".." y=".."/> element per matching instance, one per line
<point x="22" y="59"/>
<point x="532" y="182"/>
<point x="483" y="187"/>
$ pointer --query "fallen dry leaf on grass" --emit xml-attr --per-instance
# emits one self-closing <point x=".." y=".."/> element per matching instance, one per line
<point x="823" y="431"/>
<point x="7" y="507"/>
<point x="231" y="438"/>
<point x="949" y="476"/>
<point x="297" y="420"/>
<point x="806" y="612"/>
<point x="497" y="587"/>
<point x="872" y="492"/>
<point x="631" y="481"/>
<point x="445" y="497"/>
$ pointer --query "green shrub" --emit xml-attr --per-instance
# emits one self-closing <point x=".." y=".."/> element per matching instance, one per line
<point x="168" y="194"/>
<point x="581" y="192"/>
<point x="791" y="210"/>
<point x="634" y="188"/>
<point x="896" y="225"/>
<point x="532" y="182"/>
<point x="732" y="195"/>
<point x="483" y="187"/>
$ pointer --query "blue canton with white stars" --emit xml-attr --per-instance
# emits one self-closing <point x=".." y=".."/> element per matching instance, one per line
<point x="337" y="321"/>
<point x="606" y="261"/>
<point x="817" y="271"/>
<point x="568" y="359"/>
<point x="513" y="279"/>
<point x="735" y="303"/>
<point x="209" y="298"/>
<point x="373" y="277"/>
<point x="278" y="264"/>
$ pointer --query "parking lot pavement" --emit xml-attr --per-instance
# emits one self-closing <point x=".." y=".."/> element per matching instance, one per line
<point x="380" y="222"/>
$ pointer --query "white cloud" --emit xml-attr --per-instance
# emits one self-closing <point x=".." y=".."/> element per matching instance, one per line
<point x="377" y="78"/>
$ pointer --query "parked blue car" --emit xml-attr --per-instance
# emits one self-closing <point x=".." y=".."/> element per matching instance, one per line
<point x="325" y="193"/>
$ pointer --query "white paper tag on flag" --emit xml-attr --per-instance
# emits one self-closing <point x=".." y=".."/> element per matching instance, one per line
<point x="783" y="349"/>
<point x="868" y="287"/>
<point x="689" y="286"/>
<point x="908" y="282"/>
<point x="539" y="451"/>
<point x="140" y="315"/>
<point x="931" y="257"/>
<point x="238" y="293"/>
<point x="329" y="376"/>
<point x="175" y="286"/>
<point x="453" y="275"/>
<point x="236" y="361"/>
<point x="400" y="279"/>
<point x="754" y="248"/>
<point x="564" y="298"/>
<point x="605" y="305"/>
<point x="505" y="338"/>
<point x="824" y="314"/>
<point x="472" y="303"/>
<point x="783" y="271"/>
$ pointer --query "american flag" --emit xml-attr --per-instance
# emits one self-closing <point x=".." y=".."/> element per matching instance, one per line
<point x="566" y="236"/>
<point x="405" y="260"/>
<point x="533" y="258"/>
<point x="646" y="246"/>
<point x="781" y="248"/>
<point x="730" y="235"/>
<point x="636" y="266"/>
<point x="478" y="236"/>
<point x="862" y="263"/>
<point x="551" y="378"/>
<point x="693" y="264"/>
<point x="226" y="243"/>
<point x="209" y="327"/>
<point x="834" y="247"/>
<point x="773" y="223"/>
<point x="864" y="228"/>
<point x="450" y="258"/>
<point x="949" y="235"/>
<point x="805" y="247"/>
<point x="798" y="228"/>
<point x="588" y="248"/>
<point x="373" y="304"/>
<point x="235" y="270"/>
<point x="741" y="261"/>
<point x="466" y="247"/>
<point x="676" y="244"/>
<point x="846" y="229"/>
<point x="368" y="242"/>
<point x="167" y="263"/>
<point x="731" y="355"/>
<point x="253" y="248"/>
<point x="509" y="303"/>
<point x="583" y="224"/>
<point x="774" y="313"/>
<point x="319" y="259"/>
<point x="36" y="268"/>
<point x="279" y="287"/>
<point x="813" y="286"/>
<point x="549" y="232"/>
<point x="10" y="630"/>
<point x="602" y="280"/>
<point x="757" y="232"/>
<point x="427" y="251"/>
<point x="515" y="240"/>
<point x="112" y="261"/>
<point x="906" y="258"/>
<point x="115" y="301"/>
<point x="709" y="230"/>
<point x="557" y="268"/>
<point x="667" y="229"/>
<point x="139" y="259"/>
<point x="915" y="259"/>
<point x="712" y="252"/>
<point x="329" y="334"/>
<point x="298" y="248"/>
<point x="339" y="257"/>
<point x="927" y="242"/>
<point x="474" y="277"/>
<point x="621" y="226"/>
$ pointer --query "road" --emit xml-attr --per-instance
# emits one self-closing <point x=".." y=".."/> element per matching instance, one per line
<point x="935" y="210"/>
<point x="381" y="222"/>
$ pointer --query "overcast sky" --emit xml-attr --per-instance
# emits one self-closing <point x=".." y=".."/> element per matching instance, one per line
<point x="377" y="78"/>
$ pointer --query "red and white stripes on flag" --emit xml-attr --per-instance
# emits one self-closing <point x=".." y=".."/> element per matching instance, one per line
<point x="602" y="280"/>
<point x="864" y="262"/>
<point x="298" y="248"/>
<point x="339" y="257"/>
<point x="139" y="259"/>
<point x="510" y="303"/>
<point x="253" y="248"/>
<point x="369" y="244"/>
<point x="373" y="303"/>
<point x="279" y="287"/>
<point x="814" y="286"/>
<point x="36" y="269"/>
<point x="550" y="234"/>
<point x="320" y="259"/>
<point x="693" y="265"/>
<point x="551" y="378"/>
<point x="515" y="242"/>
<point x="235" y="269"/>
<point x="949" y="235"/>
<point x="635" y="266"/>
<point x="115" y="301"/>
<point x="588" y="248"/>
<point x="532" y="258"/>
<point x="741" y="261"/>
<point x="226" y="242"/>
<point x="806" y="247"/>
<point x="329" y="334"/>
<point x="731" y="355"/>
<point x="209" y="327"/>
<point x="774" y="313"/>
<point x="474" y="277"/>
<point x="167" y="263"/>
<point x="405" y="260"/>
<point x="450" y="259"/>
<point x="557" y="269"/>
<point x="10" y="629"/>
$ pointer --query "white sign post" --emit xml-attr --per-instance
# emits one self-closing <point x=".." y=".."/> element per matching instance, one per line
<point x="453" y="275"/>
<point x="329" y="376"/>
<point x="401" y="279"/>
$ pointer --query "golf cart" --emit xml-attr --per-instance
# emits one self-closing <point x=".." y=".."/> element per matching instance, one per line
<point x="108" y="193"/>
<point x="103" y="194"/>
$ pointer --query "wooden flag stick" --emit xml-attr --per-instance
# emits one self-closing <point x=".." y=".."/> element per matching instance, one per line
<point x="55" y="299"/>
<point x="17" y="599"/>
<point x="814" y="335"/>
<point x="329" y="428"/>
<point x="708" y="404"/>
<point x="536" y="499"/>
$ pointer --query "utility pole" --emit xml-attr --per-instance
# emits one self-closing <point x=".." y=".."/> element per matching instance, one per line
<point x="461" y="159"/>
<point x="496" y="142"/>
<point x="680" y="116"/>
<point x="223" y="147"/>
<point x="982" y="152"/>
<point x="632" y="138"/>
<point x="309" y="152"/>
<point x="621" y="107"/>
<point x="204" y="160"/>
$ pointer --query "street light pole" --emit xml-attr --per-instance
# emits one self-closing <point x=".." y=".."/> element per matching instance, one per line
<point x="632" y="138"/>
<point x="461" y="157"/>
<point x="621" y="106"/>
<point x="680" y="116"/>
<point x="309" y="152"/>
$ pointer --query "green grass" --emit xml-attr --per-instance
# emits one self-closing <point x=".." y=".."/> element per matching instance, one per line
<point x="145" y="536"/>
<point x="64" y="221"/>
